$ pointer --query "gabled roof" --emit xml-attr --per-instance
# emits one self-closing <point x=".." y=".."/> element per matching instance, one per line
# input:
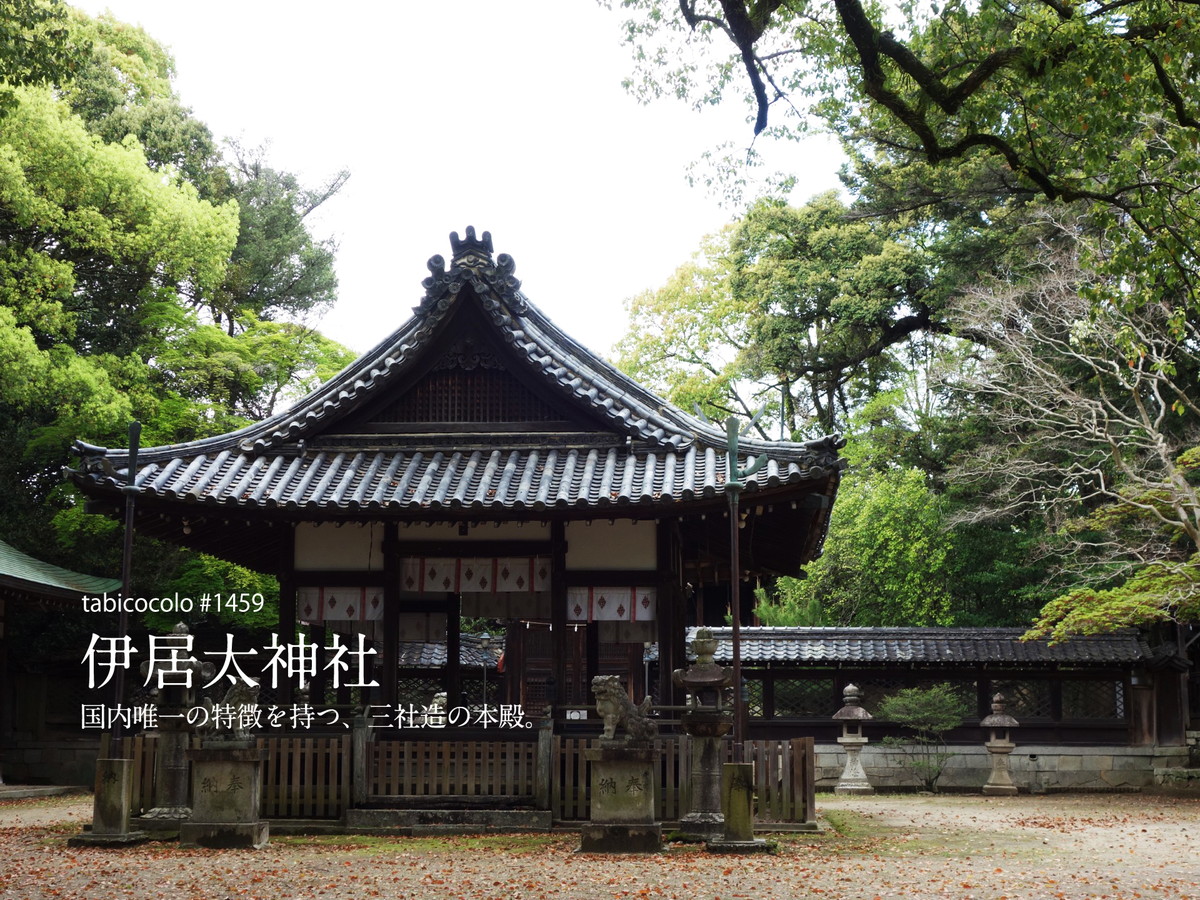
<point x="623" y="445"/>
<point x="942" y="646"/>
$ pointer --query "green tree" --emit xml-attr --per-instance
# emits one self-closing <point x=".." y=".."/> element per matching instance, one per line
<point x="278" y="269"/>
<point x="849" y="314"/>
<point x="886" y="557"/>
<point x="1087" y="103"/>
<point x="124" y="87"/>
<point x="830" y="295"/>
<point x="250" y="373"/>
<point x="929" y="714"/>
<point x="121" y="239"/>
<point x="801" y="309"/>
<point x="74" y="212"/>
<point x="786" y="604"/>
<point x="1095" y="425"/>
<point x="685" y="339"/>
<point x="37" y="46"/>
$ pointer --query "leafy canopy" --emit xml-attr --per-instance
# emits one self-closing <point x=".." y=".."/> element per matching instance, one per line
<point x="1090" y="102"/>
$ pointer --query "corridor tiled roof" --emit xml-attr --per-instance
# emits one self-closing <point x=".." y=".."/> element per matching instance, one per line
<point x="878" y="646"/>
<point x="432" y="654"/>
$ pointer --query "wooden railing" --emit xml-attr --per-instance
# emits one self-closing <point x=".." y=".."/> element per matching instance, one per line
<point x="306" y="777"/>
<point x="312" y="777"/>
<point x="451" y="768"/>
<point x="303" y="777"/>
<point x="784" y="779"/>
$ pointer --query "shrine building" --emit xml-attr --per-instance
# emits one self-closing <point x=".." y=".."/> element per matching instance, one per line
<point x="481" y="463"/>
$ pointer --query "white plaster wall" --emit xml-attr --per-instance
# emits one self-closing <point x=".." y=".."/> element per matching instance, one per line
<point x="623" y="544"/>
<point x="501" y="531"/>
<point x="349" y="547"/>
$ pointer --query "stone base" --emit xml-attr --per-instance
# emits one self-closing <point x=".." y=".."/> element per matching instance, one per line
<point x="158" y="828"/>
<point x="88" y="839"/>
<point x="755" y="846"/>
<point x="1000" y="790"/>
<point x="224" y="835"/>
<point x="612" y="838"/>
<point x="702" y="826"/>
<point x="460" y="821"/>
<point x="853" y="788"/>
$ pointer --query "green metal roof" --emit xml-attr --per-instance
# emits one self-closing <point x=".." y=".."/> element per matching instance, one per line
<point x="22" y="572"/>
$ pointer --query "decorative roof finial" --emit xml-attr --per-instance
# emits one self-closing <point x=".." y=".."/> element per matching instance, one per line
<point x="472" y="264"/>
<point x="471" y="251"/>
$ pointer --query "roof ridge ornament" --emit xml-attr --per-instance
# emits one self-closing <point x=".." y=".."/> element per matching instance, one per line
<point x="472" y="263"/>
<point x="471" y="251"/>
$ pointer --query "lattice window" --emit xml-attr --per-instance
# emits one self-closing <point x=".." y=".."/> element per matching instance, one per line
<point x="417" y="690"/>
<point x="536" y="696"/>
<point x="468" y="396"/>
<point x="805" y="697"/>
<point x="1093" y="700"/>
<point x="473" y="690"/>
<point x="754" y="696"/>
<point x="875" y="689"/>
<point x="965" y="690"/>
<point x="1025" y="699"/>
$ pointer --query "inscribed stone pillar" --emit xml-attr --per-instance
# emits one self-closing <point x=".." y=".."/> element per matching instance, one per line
<point x="111" y="806"/>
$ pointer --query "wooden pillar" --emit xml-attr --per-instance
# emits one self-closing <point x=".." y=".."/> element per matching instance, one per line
<point x="1170" y="713"/>
<point x="558" y="609"/>
<point x="454" y="691"/>
<point x="287" y="605"/>
<point x="1143" y="728"/>
<point x="671" y="614"/>
<point x="514" y="663"/>
<point x="591" y="637"/>
<point x="389" y="659"/>
<point x="320" y="636"/>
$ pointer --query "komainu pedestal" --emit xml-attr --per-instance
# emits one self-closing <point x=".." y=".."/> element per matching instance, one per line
<point x="111" y="806"/>
<point x="226" y="796"/>
<point x="623" y="782"/>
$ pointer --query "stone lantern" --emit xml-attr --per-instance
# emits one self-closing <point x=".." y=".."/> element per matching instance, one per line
<point x="176" y="695"/>
<point x="1000" y="746"/>
<point x="706" y="722"/>
<point x="853" y="779"/>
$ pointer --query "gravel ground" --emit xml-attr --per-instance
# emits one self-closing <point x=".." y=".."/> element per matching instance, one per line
<point x="1110" y="846"/>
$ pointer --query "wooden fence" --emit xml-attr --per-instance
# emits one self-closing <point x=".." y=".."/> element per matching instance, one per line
<point x="303" y="777"/>
<point x="306" y="777"/>
<point x="311" y="777"/>
<point x="452" y="768"/>
<point x="784" y="779"/>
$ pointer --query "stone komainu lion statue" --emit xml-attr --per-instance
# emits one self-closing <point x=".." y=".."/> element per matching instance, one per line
<point x="229" y="717"/>
<point x="616" y="708"/>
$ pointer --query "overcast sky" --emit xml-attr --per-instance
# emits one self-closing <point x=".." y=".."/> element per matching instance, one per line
<point x="509" y="116"/>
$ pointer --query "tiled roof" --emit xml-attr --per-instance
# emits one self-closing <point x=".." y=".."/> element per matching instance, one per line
<point x="432" y="655"/>
<point x="648" y="453"/>
<point x="20" y="571"/>
<point x="463" y="479"/>
<point x="879" y="646"/>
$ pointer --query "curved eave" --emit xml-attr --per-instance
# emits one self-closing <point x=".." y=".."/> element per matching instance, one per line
<point x="482" y="482"/>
